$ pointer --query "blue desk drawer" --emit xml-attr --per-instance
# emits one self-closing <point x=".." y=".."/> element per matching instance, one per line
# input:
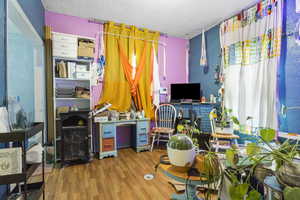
<point x="142" y="127"/>
<point x="108" y="131"/>
<point x="142" y="139"/>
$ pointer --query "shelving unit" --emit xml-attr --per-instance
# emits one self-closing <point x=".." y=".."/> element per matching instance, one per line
<point x="82" y="103"/>
<point x="75" y="98"/>
<point x="66" y="47"/>
<point x="28" y="190"/>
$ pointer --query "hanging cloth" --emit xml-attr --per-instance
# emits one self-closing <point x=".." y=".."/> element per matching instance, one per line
<point x="128" y="69"/>
<point x="187" y="63"/>
<point x="203" y="59"/>
<point x="155" y="86"/>
<point x="297" y="6"/>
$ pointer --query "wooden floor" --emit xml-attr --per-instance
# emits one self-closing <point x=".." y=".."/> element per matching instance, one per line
<point x="110" y="179"/>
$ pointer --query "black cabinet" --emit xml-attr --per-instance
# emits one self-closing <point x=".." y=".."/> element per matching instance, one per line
<point x="75" y="134"/>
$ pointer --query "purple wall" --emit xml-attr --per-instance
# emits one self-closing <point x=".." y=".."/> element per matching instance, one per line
<point x="71" y="25"/>
<point x="175" y="54"/>
<point x="175" y="47"/>
<point x="175" y="62"/>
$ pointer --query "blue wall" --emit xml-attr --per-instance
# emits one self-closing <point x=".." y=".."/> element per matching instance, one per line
<point x="35" y="12"/>
<point x="290" y="71"/>
<point x="2" y="70"/>
<point x="196" y="72"/>
<point x="2" y="53"/>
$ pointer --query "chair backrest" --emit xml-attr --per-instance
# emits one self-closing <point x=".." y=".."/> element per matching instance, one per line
<point x="165" y="116"/>
<point x="213" y="120"/>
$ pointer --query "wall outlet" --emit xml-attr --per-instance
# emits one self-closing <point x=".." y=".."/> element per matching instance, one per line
<point x="163" y="90"/>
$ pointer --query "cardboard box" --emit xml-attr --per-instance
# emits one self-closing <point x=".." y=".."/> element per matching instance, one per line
<point x="86" y="48"/>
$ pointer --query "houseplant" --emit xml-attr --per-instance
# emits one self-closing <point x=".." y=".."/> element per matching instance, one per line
<point x="181" y="151"/>
<point x="258" y="156"/>
<point x="199" y="138"/>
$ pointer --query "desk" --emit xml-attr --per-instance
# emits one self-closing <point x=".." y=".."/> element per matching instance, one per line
<point x="192" y="183"/>
<point x="105" y="140"/>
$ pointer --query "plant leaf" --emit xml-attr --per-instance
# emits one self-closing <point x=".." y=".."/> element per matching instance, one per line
<point x="238" y="192"/>
<point x="252" y="149"/>
<point x="267" y="134"/>
<point x="230" y="156"/>
<point x="180" y="128"/>
<point x="235" y="120"/>
<point x="253" y="195"/>
<point x="291" y="193"/>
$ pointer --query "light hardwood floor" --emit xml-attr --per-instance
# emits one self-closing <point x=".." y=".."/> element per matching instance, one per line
<point x="120" y="178"/>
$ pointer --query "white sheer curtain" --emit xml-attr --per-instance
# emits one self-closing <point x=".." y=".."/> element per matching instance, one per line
<point x="250" y="45"/>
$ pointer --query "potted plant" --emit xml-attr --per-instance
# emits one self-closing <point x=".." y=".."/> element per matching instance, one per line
<point x="181" y="151"/>
<point x="287" y="167"/>
<point x="208" y="165"/>
<point x="199" y="138"/>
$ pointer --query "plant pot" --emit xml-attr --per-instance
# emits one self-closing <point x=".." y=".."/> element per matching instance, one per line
<point x="260" y="173"/>
<point x="289" y="173"/>
<point x="203" y="140"/>
<point x="181" y="158"/>
<point x="207" y="166"/>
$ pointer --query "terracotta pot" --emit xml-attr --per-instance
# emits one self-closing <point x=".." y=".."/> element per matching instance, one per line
<point x="289" y="173"/>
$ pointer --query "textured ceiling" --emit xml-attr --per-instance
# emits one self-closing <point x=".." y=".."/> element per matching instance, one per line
<point x="181" y="18"/>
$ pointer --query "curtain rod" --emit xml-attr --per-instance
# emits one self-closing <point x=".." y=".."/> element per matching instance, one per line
<point x="99" y="21"/>
<point x="136" y="38"/>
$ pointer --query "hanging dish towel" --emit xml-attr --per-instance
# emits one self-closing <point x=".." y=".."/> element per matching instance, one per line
<point x="155" y="81"/>
<point x="297" y="6"/>
<point x="203" y="59"/>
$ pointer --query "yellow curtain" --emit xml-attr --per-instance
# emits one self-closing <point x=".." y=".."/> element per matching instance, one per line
<point x="116" y="88"/>
<point x="144" y="85"/>
<point x="119" y="56"/>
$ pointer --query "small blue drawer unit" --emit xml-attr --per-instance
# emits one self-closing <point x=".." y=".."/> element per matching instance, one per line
<point x="141" y="136"/>
<point x="107" y="140"/>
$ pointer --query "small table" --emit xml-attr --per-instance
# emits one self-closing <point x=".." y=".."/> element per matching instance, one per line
<point x="191" y="184"/>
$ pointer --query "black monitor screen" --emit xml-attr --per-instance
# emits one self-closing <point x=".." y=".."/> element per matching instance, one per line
<point x="186" y="91"/>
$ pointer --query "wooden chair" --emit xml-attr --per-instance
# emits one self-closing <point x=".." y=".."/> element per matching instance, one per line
<point x="165" y="116"/>
<point x="221" y="133"/>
